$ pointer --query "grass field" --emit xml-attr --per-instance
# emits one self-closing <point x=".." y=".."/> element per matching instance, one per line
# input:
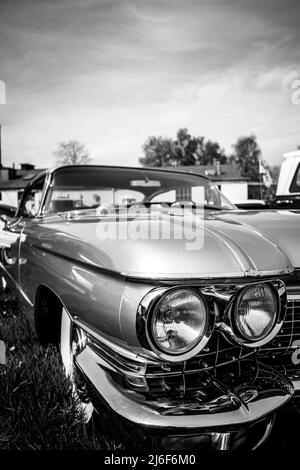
<point x="37" y="408"/>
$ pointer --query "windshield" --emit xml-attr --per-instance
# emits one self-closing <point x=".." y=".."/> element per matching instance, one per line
<point x="87" y="187"/>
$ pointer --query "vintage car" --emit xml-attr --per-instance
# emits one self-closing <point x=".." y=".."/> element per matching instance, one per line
<point x="288" y="188"/>
<point x="8" y="210"/>
<point x="182" y="345"/>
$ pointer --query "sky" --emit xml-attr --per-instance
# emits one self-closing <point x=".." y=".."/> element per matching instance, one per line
<point x="110" y="73"/>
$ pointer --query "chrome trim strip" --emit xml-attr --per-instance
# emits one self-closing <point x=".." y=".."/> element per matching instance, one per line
<point x="267" y="432"/>
<point x="47" y="185"/>
<point x="205" y="275"/>
<point x="296" y="384"/>
<point x="179" y="276"/>
<point x="127" y="354"/>
<point x="15" y="284"/>
<point x="293" y="297"/>
<point x="221" y="441"/>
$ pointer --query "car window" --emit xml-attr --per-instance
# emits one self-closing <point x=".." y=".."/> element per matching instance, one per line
<point x="65" y="199"/>
<point x="209" y="194"/>
<point x="80" y="188"/>
<point x="32" y="199"/>
<point x="295" y="186"/>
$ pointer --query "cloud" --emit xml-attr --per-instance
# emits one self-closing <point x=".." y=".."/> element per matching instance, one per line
<point x="112" y="72"/>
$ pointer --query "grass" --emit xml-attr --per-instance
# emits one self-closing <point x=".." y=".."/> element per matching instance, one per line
<point x="37" y="408"/>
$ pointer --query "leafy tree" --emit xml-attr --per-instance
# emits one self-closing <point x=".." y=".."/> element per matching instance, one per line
<point x="72" y="153"/>
<point x="185" y="147"/>
<point x="184" y="150"/>
<point x="247" y="154"/>
<point x="212" y="152"/>
<point x="158" y="151"/>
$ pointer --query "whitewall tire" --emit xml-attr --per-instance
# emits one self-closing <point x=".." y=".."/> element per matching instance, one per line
<point x="71" y="342"/>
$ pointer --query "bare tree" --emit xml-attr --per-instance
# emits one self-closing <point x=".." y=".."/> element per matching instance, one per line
<point x="72" y="153"/>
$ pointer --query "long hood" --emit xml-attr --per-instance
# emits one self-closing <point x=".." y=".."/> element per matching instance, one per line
<point x="282" y="227"/>
<point x="228" y="248"/>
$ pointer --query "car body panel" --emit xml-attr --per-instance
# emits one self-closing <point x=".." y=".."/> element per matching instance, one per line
<point x="79" y="280"/>
<point x="235" y="243"/>
<point x="280" y="226"/>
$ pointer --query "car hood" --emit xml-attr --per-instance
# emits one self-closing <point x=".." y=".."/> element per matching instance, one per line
<point x="230" y="248"/>
<point x="282" y="227"/>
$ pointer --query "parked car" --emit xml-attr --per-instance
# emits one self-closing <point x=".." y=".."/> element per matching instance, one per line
<point x="181" y="345"/>
<point x="252" y="204"/>
<point x="288" y="188"/>
<point x="8" y="210"/>
<point x="7" y="213"/>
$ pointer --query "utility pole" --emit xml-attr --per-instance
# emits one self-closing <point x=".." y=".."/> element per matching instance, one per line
<point x="2" y="101"/>
<point x="0" y="149"/>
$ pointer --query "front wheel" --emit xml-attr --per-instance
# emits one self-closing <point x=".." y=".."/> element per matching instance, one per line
<point x="72" y="341"/>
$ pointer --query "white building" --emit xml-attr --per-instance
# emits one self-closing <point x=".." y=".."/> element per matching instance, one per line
<point x="227" y="177"/>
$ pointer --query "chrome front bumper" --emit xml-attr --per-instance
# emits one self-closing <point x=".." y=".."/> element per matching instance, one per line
<point x="233" y="402"/>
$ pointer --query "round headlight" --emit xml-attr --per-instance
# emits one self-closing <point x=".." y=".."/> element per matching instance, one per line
<point x="256" y="312"/>
<point x="179" y="321"/>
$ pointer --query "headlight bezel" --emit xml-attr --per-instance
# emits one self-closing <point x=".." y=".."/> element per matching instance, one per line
<point x="237" y="315"/>
<point x="279" y="290"/>
<point x="155" y="314"/>
<point x="220" y="298"/>
<point x="147" y="309"/>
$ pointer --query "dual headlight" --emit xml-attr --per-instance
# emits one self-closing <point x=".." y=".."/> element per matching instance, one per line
<point x="181" y="321"/>
<point x="255" y="312"/>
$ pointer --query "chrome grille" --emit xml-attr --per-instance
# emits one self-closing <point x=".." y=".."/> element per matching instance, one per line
<point x="171" y="378"/>
<point x="217" y="352"/>
<point x="290" y="331"/>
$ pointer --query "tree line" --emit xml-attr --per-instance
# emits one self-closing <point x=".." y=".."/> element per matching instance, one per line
<point x="187" y="150"/>
<point x="183" y="150"/>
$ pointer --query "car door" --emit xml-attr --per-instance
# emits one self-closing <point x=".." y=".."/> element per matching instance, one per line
<point x="12" y="234"/>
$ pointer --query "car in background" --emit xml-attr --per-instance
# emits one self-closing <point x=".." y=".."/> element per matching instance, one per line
<point x="7" y="213"/>
<point x="182" y="348"/>
<point x="252" y="204"/>
<point x="288" y="188"/>
<point x="7" y="210"/>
